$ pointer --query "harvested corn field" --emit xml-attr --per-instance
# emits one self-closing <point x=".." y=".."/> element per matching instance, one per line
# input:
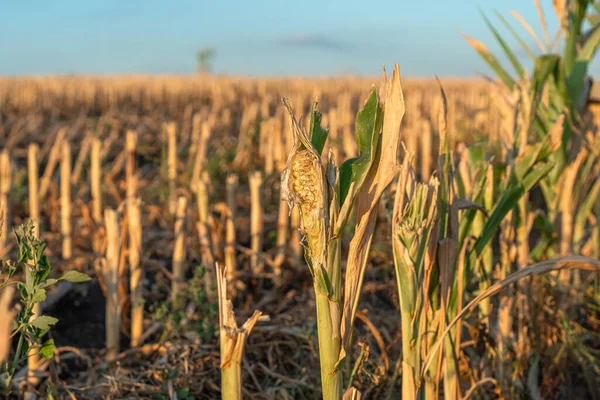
<point x="203" y="237"/>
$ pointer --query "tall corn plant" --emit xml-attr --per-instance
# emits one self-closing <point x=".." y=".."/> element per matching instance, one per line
<point x="437" y="247"/>
<point x="563" y="77"/>
<point x="326" y="195"/>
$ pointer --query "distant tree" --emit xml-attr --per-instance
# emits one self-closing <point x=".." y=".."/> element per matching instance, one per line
<point x="204" y="59"/>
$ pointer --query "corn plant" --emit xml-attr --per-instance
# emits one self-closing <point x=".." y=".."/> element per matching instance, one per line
<point x="35" y="269"/>
<point x="326" y="195"/>
<point x="436" y="250"/>
<point x="564" y="78"/>
<point x="548" y="103"/>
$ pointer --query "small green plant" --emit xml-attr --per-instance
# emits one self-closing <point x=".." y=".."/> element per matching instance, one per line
<point x="194" y="311"/>
<point x="35" y="271"/>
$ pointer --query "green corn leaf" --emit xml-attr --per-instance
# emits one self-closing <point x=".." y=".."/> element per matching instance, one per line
<point x="516" y="36"/>
<point x="354" y="170"/>
<point x="491" y="60"/>
<point x="546" y="66"/>
<point x="574" y="35"/>
<point x="536" y="174"/>
<point x="539" y="152"/>
<point x="548" y="69"/>
<point x="467" y="219"/>
<point x="318" y="135"/>
<point x="509" y="53"/>
<point x="580" y="66"/>
<point x="506" y="203"/>
<point x="585" y="210"/>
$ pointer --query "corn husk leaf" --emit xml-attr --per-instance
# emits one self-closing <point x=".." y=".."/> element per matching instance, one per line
<point x="379" y="177"/>
<point x="317" y="134"/>
<point x="303" y="183"/>
<point x="353" y="172"/>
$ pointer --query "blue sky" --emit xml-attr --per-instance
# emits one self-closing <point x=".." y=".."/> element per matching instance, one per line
<point x="253" y="37"/>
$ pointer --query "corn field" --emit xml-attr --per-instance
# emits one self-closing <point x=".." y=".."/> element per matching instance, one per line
<point x="302" y="238"/>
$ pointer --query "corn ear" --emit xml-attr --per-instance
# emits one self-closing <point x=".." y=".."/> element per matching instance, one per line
<point x="303" y="184"/>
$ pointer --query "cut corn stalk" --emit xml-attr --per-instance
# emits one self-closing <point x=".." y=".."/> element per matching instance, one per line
<point x="232" y="340"/>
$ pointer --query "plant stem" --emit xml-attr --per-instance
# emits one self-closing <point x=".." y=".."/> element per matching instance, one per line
<point x="16" y="360"/>
<point x="329" y="350"/>
<point x="231" y="388"/>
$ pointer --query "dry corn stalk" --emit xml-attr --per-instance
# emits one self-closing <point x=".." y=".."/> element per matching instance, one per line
<point x="134" y="226"/>
<point x="172" y="165"/>
<point x="5" y="183"/>
<point x="256" y="221"/>
<point x="7" y="315"/>
<point x="33" y="182"/>
<point x="53" y="159"/>
<point x="179" y="249"/>
<point x="111" y="281"/>
<point x="130" y="167"/>
<point x="232" y="340"/>
<point x="230" y="253"/>
<point x="33" y="359"/>
<point x="195" y="134"/>
<point x="269" y="145"/>
<point x="82" y="155"/>
<point x="96" y="179"/>
<point x="204" y="231"/>
<point x="65" y="201"/>
<point x="201" y="150"/>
